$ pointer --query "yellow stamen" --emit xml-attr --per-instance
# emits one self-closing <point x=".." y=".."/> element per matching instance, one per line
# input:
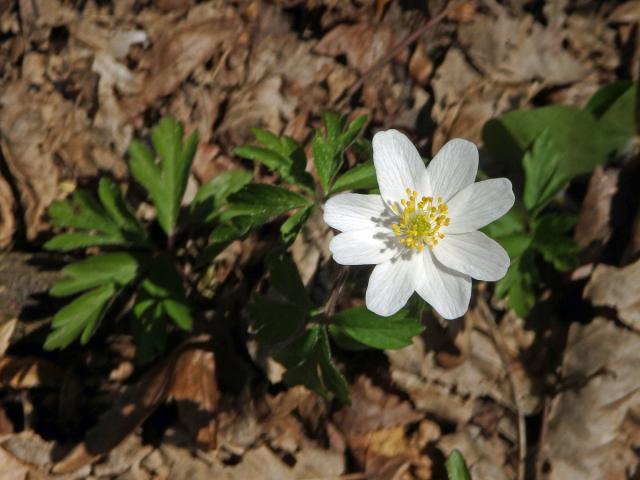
<point x="419" y="222"/>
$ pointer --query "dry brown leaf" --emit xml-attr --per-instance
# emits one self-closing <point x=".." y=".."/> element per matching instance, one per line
<point x="584" y="437"/>
<point x="6" y="331"/>
<point x="519" y="50"/>
<point x="486" y="457"/>
<point x="594" y="223"/>
<point x="7" y="219"/>
<point x="373" y="409"/>
<point x="617" y="288"/>
<point x="628" y="12"/>
<point x="28" y="372"/>
<point x="363" y="44"/>
<point x="177" y="53"/>
<point x="195" y="391"/>
<point x="129" y="410"/>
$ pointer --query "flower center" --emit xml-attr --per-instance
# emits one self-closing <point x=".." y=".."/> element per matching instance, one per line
<point x="419" y="221"/>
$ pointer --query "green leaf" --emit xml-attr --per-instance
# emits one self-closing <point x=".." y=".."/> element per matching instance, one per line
<point x="552" y="240"/>
<point x="519" y="284"/>
<point x="164" y="285"/>
<point x="285" y="278"/>
<point x="375" y="331"/>
<point x="149" y="329"/>
<point x="456" y="467"/>
<point x="115" y="268"/>
<point x="605" y="97"/>
<point x="280" y="154"/>
<point x="119" y="210"/>
<point x="79" y="318"/>
<point x="515" y="243"/>
<point x="578" y="140"/>
<point x="309" y="363"/>
<point x="292" y="225"/>
<point x="543" y="180"/>
<point x="262" y="203"/>
<point x="328" y="149"/>
<point x="110" y="222"/>
<point x="620" y="121"/>
<point x="360" y="177"/>
<point x="275" y="322"/>
<point x="212" y="196"/>
<point x="167" y="182"/>
<point x="66" y="242"/>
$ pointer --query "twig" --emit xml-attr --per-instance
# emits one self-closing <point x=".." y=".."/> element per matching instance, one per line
<point x="498" y="341"/>
<point x="397" y="48"/>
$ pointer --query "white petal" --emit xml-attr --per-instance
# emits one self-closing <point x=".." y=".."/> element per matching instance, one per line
<point x="453" y="168"/>
<point x="475" y="254"/>
<point x="353" y="211"/>
<point x="391" y="285"/>
<point x="479" y="204"/>
<point x="363" y="247"/>
<point x="446" y="290"/>
<point x="398" y="165"/>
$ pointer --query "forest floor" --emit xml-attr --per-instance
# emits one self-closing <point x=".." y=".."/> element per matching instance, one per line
<point x="555" y="395"/>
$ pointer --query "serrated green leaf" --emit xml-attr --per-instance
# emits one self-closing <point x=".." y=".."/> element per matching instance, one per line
<point x="275" y="322"/>
<point x="551" y="239"/>
<point x="360" y="177"/>
<point x="149" y="329"/>
<point x="263" y="202"/>
<point x="66" y="242"/>
<point x="519" y="284"/>
<point x="280" y="154"/>
<point x="116" y="268"/>
<point x="164" y="285"/>
<point x="118" y="209"/>
<point x="309" y="363"/>
<point x="375" y="331"/>
<point x="79" y="318"/>
<point x="543" y="180"/>
<point x="167" y="182"/>
<point x="579" y="142"/>
<point x="332" y="378"/>
<point x="212" y="196"/>
<point x="329" y="149"/>
<point x="456" y="467"/>
<point x="292" y="225"/>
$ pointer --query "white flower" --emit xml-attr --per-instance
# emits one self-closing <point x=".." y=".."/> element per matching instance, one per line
<point x="422" y="231"/>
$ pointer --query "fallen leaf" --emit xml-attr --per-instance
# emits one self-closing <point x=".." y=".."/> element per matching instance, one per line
<point x="6" y="331"/>
<point x="28" y="372"/>
<point x="594" y="223"/>
<point x="584" y="437"/>
<point x="519" y="49"/>
<point x="363" y="44"/>
<point x="617" y="288"/>
<point x="129" y="410"/>
<point x="7" y="219"/>
<point x="195" y="391"/>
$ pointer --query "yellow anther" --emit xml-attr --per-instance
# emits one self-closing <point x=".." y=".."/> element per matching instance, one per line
<point x="419" y="221"/>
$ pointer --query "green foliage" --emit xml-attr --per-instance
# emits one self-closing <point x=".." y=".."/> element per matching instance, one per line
<point x="456" y="467"/>
<point x="308" y="362"/>
<point x="360" y="177"/>
<point x="578" y="141"/>
<point x="328" y="148"/>
<point x="555" y="143"/>
<point x="541" y="169"/>
<point x="108" y="220"/>
<point x="280" y="154"/>
<point x="144" y="273"/>
<point x="290" y="322"/>
<point x="367" y="328"/>
<point x="165" y="182"/>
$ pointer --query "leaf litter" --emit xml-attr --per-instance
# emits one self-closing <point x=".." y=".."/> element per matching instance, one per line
<point x="79" y="82"/>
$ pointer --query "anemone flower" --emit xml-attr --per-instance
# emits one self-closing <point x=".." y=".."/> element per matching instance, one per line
<point x="421" y="232"/>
